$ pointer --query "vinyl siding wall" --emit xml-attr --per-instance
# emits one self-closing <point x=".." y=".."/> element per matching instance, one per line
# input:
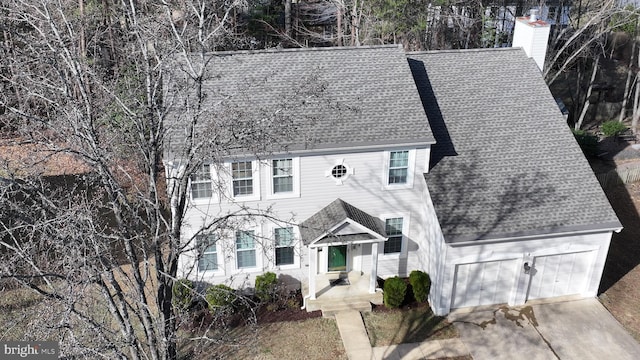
<point x="523" y="251"/>
<point x="363" y="189"/>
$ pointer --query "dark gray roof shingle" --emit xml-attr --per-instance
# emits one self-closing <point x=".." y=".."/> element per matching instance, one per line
<point x="331" y="215"/>
<point x="366" y="98"/>
<point x="505" y="164"/>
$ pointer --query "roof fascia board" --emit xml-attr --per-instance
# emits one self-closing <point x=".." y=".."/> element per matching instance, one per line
<point x="351" y="222"/>
<point x="496" y="239"/>
<point x="334" y="243"/>
<point x="346" y="149"/>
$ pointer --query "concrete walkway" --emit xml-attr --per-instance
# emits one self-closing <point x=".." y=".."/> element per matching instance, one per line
<point x="358" y="347"/>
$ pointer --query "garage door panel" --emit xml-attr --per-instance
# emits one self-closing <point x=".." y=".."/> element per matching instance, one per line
<point x="560" y="275"/>
<point x="484" y="283"/>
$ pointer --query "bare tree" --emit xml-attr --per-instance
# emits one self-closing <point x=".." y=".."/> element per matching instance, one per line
<point x="111" y="239"/>
<point x="574" y="42"/>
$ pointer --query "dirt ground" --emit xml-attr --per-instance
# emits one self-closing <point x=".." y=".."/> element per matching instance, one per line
<point x="619" y="290"/>
<point x="620" y="286"/>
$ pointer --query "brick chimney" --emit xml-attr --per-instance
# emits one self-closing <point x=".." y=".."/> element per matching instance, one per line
<point x="532" y="35"/>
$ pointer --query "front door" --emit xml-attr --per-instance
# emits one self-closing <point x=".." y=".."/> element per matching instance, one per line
<point x="337" y="258"/>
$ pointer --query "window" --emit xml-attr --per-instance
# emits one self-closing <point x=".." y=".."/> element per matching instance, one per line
<point x="245" y="249"/>
<point x="201" y="183"/>
<point x="242" y="174"/>
<point x="398" y="167"/>
<point x="207" y="252"/>
<point x="284" y="246"/>
<point x="282" y="175"/>
<point x="339" y="171"/>
<point x="393" y="227"/>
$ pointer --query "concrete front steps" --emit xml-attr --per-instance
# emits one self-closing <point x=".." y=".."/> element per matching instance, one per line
<point x="332" y="305"/>
<point x="330" y="309"/>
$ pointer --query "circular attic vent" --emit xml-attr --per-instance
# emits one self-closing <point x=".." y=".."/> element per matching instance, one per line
<point x="339" y="172"/>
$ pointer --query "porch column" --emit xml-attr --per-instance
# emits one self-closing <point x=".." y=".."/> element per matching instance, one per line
<point x="374" y="268"/>
<point x="313" y="271"/>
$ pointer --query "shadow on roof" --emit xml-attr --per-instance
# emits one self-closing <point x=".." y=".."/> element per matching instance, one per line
<point x="443" y="146"/>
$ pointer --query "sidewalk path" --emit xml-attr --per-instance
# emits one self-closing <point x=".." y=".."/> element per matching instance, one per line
<point x="358" y="347"/>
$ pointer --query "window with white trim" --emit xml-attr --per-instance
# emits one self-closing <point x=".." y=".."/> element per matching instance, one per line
<point x="282" y="176"/>
<point x="393" y="228"/>
<point x="207" y="252"/>
<point x="201" y="183"/>
<point x="245" y="249"/>
<point x="398" y="167"/>
<point x="242" y="178"/>
<point x="284" y="242"/>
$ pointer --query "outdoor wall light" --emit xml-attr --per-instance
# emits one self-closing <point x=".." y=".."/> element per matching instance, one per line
<point x="527" y="268"/>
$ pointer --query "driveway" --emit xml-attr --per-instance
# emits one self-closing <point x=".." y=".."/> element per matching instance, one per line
<point x="581" y="329"/>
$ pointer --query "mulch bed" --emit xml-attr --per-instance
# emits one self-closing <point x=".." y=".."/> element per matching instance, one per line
<point x="265" y="316"/>
<point x="291" y="311"/>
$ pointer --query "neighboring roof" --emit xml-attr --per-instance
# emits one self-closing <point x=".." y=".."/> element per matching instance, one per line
<point x="505" y="164"/>
<point x="366" y="98"/>
<point x="324" y="221"/>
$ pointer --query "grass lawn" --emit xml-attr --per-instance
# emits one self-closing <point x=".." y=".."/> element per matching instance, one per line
<point x="315" y="338"/>
<point x="396" y="326"/>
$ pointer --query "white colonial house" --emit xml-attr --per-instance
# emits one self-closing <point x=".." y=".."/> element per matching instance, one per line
<point x="440" y="161"/>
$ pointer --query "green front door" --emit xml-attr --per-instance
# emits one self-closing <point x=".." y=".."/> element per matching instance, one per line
<point x="338" y="258"/>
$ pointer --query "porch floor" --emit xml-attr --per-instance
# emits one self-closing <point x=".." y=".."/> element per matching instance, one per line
<point x="354" y="296"/>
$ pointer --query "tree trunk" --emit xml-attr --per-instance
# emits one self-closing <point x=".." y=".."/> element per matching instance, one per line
<point x="627" y="85"/>
<point x="636" y="102"/>
<point x="287" y="17"/>
<point x="585" y="107"/>
<point x="339" y="24"/>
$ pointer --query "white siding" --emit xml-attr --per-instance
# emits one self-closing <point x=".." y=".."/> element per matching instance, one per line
<point x="561" y="265"/>
<point x="363" y="189"/>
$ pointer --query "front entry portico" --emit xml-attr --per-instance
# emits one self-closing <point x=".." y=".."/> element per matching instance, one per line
<point x="336" y="236"/>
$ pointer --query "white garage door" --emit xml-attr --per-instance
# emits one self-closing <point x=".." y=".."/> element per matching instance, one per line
<point x="558" y="275"/>
<point x="484" y="283"/>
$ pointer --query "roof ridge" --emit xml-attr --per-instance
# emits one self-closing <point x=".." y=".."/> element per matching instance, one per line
<point x="463" y="50"/>
<point x="305" y="49"/>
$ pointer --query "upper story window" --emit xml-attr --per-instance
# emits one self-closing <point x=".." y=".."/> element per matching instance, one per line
<point x="201" y="183"/>
<point x="398" y="167"/>
<point x="207" y="252"/>
<point x="393" y="227"/>
<point x="245" y="249"/>
<point x="282" y="175"/>
<point x="242" y="174"/>
<point x="284" y="178"/>
<point x="284" y="246"/>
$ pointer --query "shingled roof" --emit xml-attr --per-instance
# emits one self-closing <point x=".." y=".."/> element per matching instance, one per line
<point x="505" y="164"/>
<point x="322" y="222"/>
<point x="366" y="97"/>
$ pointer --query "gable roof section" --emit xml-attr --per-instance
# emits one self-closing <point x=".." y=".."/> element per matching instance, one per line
<point x="365" y="99"/>
<point x="505" y="164"/>
<point x="324" y="225"/>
